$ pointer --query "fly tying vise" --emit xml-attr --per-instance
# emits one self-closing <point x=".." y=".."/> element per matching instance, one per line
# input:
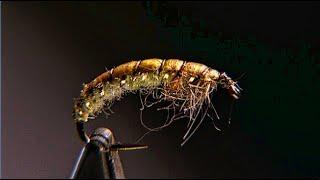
<point x="187" y="85"/>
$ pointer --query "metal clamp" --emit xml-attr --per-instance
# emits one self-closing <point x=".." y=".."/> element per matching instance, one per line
<point x="99" y="158"/>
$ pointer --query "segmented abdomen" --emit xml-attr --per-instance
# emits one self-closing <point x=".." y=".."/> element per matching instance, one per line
<point x="134" y="75"/>
<point x="174" y="66"/>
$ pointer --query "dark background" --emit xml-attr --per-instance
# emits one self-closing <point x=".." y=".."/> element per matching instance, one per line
<point x="49" y="49"/>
